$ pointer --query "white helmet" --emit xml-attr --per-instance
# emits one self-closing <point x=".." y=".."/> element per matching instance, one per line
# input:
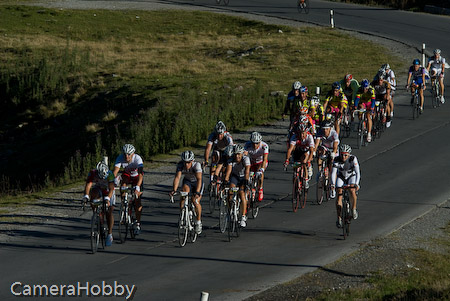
<point x="102" y="170"/>
<point x="229" y="150"/>
<point x="220" y="128"/>
<point x="238" y="149"/>
<point x="437" y="51"/>
<point x="255" y="137"/>
<point x="128" y="149"/>
<point x="315" y="101"/>
<point x="187" y="156"/>
<point x="296" y="85"/>
<point x="345" y="148"/>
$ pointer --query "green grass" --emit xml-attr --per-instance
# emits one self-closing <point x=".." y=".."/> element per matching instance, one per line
<point x="75" y="85"/>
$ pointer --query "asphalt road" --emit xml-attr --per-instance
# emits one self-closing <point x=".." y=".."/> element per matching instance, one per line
<point x="404" y="174"/>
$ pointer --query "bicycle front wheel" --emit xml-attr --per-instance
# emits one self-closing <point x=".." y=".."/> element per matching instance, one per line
<point x="295" y="194"/>
<point x="183" y="227"/>
<point x="193" y="233"/>
<point x="123" y="223"/>
<point x="95" y="233"/>
<point x="306" y="6"/>
<point x="223" y="215"/>
<point x="231" y="224"/>
<point x="320" y="187"/>
<point x="132" y="223"/>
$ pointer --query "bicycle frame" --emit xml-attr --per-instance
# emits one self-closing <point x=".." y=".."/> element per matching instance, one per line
<point x="233" y="213"/>
<point x="323" y="187"/>
<point x="127" y="220"/>
<point x="299" y="191"/>
<point x="98" y="229"/>
<point x="362" y="127"/>
<point x="252" y="203"/>
<point x="186" y="220"/>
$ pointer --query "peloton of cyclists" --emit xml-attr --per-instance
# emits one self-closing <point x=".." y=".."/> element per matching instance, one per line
<point x="238" y="175"/>
<point x="100" y="184"/>
<point x="437" y="65"/>
<point x="192" y="181"/>
<point x="345" y="172"/>
<point x="416" y="77"/>
<point x="258" y="152"/>
<point x="133" y="173"/>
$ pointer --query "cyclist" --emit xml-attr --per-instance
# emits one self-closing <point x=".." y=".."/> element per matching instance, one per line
<point x="328" y="139"/>
<point x="336" y="103"/>
<point x="383" y="93"/>
<point x="100" y="183"/>
<point x="217" y="142"/>
<point x="345" y="172"/>
<point x="292" y="101"/>
<point x="301" y="146"/>
<point x="437" y="65"/>
<point x="258" y="152"/>
<point x="416" y="74"/>
<point x="192" y="181"/>
<point x="390" y="77"/>
<point x="316" y="112"/>
<point x="238" y="175"/>
<point x="365" y="98"/>
<point x="133" y="173"/>
<point x="350" y="87"/>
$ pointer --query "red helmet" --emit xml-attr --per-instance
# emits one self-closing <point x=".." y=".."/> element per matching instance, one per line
<point x="348" y="77"/>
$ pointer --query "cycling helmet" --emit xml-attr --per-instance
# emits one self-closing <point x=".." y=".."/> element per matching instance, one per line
<point x="255" y="137"/>
<point x="326" y="124"/>
<point x="437" y="51"/>
<point x="345" y="148"/>
<point x="416" y="62"/>
<point x="315" y="100"/>
<point x="238" y="149"/>
<point x="348" y="77"/>
<point x="365" y="83"/>
<point x="296" y="85"/>
<point x="304" y="89"/>
<point x="220" y="128"/>
<point x="187" y="156"/>
<point x="102" y="170"/>
<point x="128" y="149"/>
<point x="304" y="110"/>
<point x="301" y="127"/>
<point x="229" y="150"/>
<point x="385" y="66"/>
<point x="336" y="86"/>
<point x="304" y="120"/>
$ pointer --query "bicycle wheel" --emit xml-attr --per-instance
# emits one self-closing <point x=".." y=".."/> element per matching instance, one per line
<point x="295" y="194"/>
<point x="123" y="222"/>
<point x="303" y="196"/>
<point x="132" y="223"/>
<point x="95" y="232"/>
<point x="237" y="226"/>
<point x="223" y="215"/>
<point x="192" y="220"/>
<point x="360" y="135"/>
<point x="299" y="6"/>
<point x="231" y="223"/>
<point x="254" y="204"/>
<point x="344" y="217"/>
<point x="320" y="187"/>
<point x="306" y="6"/>
<point x="211" y="197"/>
<point x="183" y="227"/>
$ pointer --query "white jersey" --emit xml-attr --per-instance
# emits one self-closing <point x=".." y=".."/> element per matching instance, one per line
<point x="190" y="174"/>
<point x="220" y="145"/>
<point x="305" y="144"/>
<point x="436" y="65"/>
<point x="132" y="167"/>
<point x="329" y="141"/>
<point x="256" y="155"/>
<point x="238" y="169"/>
<point x="390" y="78"/>
<point x="345" y="169"/>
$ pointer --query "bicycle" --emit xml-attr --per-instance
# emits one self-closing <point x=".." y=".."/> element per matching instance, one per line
<point x="299" y="190"/>
<point x="252" y="202"/>
<point x="213" y="192"/>
<point x="234" y="227"/>
<point x="436" y="92"/>
<point x="223" y="210"/>
<point x="127" y="219"/>
<point x="323" y="188"/>
<point x="98" y="229"/>
<point x="379" y="121"/>
<point x="302" y="5"/>
<point x="224" y="2"/>
<point x="346" y="211"/>
<point x="345" y="124"/>
<point x="361" y="137"/>
<point x="188" y="216"/>
<point x="416" y="111"/>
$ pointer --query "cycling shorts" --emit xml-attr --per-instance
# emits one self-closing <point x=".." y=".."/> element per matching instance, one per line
<point x="128" y="179"/>
<point x="366" y="105"/>
<point x="299" y="154"/>
<point x="193" y="185"/>
<point x="418" y="81"/>
<point x="221" y="158"/>
<point x="238" y="181"/>
<point x="256" y="166"/>
<point x="436" y="71"/>
<point x="340" y="182"/>
<point x="104" y="193"/>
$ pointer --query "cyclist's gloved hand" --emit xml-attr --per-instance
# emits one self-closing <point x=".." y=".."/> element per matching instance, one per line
<point x="85" y="199"/>
<point x="286" y="163"/>
<point x="226" y="183"/>
<point x="332" y="155"/>
<point x="196" y="193"/>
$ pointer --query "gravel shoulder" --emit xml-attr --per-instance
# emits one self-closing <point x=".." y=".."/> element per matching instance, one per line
<point x="389" y="255"/>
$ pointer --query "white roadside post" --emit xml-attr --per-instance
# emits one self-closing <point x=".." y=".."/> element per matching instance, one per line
<point x="331" y="18"/>
<point x="317" y="91"/>
<point x="204" y="296"/>
<point x="105" y="160"/>
<point x="423" y="55"/>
